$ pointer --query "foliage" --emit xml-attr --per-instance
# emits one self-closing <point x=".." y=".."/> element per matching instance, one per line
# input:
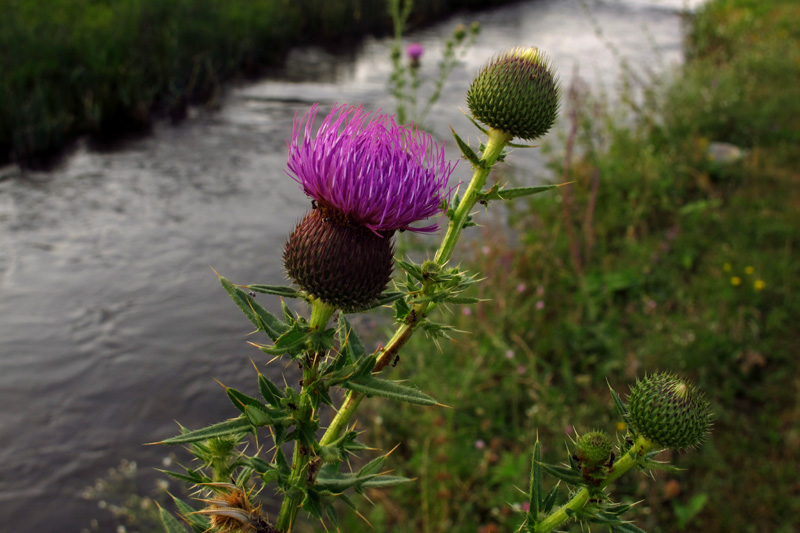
<point x="658" y="257"/>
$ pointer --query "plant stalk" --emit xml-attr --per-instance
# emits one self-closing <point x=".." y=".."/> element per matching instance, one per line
<point x="320" y="315"/>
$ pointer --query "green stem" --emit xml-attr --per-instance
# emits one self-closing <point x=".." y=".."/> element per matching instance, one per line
<point x="494" y="147"/>
<point x="320" y="315"/>
<point x="633" y="458"/>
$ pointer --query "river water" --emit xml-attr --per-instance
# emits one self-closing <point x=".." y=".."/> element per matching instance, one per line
<point x="112" y="323"/>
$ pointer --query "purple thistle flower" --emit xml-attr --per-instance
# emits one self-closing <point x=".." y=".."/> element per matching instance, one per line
<point x="415" y="51"/>
<point x="368" y="169"/>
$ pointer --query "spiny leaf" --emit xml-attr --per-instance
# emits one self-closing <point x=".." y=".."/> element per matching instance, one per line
<point x="385" y="481"/>
<point x="262" y="319"/>
<point x="197" y="522"/>
<point x="241" y="400"/>
<point x="496" y="193"/>
<point x="388" y="389"/>
<point x="170" y="523"/>
<point x="564" y="474"/>
<point x="550" y="499"/>
<point x="469" y="154"/>
<point x="287" y="292"/>
<point x="229" y="427"/>
<point x="349" y="340"/>
<point x="269" y="390"/>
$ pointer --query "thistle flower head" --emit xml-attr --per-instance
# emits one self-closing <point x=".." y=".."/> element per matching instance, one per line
<point x="669" y="411"/>
<point x="368" y="177"/>
<point x="414" y="51"/>
<point x="516" y="93"/>
<point x="368" y="170"/>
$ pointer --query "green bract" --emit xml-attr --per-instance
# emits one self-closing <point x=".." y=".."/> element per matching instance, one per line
<point x="517" y="93"/>
<point x="669" y="411"/>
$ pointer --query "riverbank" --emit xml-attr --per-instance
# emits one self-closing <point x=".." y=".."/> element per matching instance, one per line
<point x="106" y="69"/>
<point x="675" y="249"/>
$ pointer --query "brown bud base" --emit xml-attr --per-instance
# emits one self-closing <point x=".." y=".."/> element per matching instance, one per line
<point x="345" y="265"/>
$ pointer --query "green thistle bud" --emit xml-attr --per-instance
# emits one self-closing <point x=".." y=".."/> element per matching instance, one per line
<point x="516" y="93"/>
<point x="594" y="448"/>
<point x="347" y="266"/>
<point x="669" y="411"/>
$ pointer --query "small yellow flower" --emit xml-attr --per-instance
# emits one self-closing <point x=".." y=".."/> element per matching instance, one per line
<point x="736" y="281"/>
<point x="758" y="284"/>
<point x="749" y="270"/>
<point x="727" y="267"/>
<point x="620" y="426"/>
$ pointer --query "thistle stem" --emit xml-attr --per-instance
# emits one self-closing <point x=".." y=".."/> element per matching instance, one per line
<point x="320" y="315"/>
<point x="563" y="514"/>
<point x="494" y="147"/>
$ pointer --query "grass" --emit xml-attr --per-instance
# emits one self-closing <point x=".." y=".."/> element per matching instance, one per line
<point x="103" y="67"/>
<point x="657" y="258"/>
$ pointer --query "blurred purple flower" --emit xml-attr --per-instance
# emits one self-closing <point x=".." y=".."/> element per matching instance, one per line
<point x="415" y="51"/>
<point x="509" y="354"/>
<point x="368" y="170"/>
<point x="540" y="305"/>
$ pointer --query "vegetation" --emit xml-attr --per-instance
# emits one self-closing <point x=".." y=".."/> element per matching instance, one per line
<point x="665" y="254"/>
<point x="72" y="67"/>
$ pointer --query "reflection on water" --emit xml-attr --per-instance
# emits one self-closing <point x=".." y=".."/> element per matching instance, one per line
<point x="112" y="323"/>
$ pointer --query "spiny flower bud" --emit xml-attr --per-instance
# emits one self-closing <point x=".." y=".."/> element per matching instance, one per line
<point x="516" y="93"/>
<point x="594" y="448"/>
<point x="669" y="411"/>
<point x="367" y="178"/>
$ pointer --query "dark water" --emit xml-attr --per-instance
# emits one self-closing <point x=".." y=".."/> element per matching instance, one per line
<point x="112" y="323"/>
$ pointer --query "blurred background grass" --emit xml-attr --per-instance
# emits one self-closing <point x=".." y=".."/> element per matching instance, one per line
<point x="106" y="67"/>
<point x="670" y="251"/>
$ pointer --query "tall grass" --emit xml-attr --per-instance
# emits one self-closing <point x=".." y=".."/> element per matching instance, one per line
<point x="103" y="66"/>
<point x="659" y="256"/>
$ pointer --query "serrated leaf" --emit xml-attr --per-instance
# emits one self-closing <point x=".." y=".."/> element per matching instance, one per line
<point x="385" y="299"/>
<point x="461" y="300"/>
<point x="413" y="270"/>
<point x="349" y="339"/>
<point x="170" y="523"/>
<point x="286" y="292"/>
<point x="269" y="390"/>
<point x="197" y="522"/>
<point x="373" y="467"/>
<point x="259" y="416"/>
<point x="364" y="367"/>
<point x="388" y="389"/>
<point x="312" y="504"/>
<point x="229" y="427"/>
<point x="241" y="400"/>
<point x="291" y="342"/>
<point x="550" y="499"/>
<point x="401" y="310"/>
<point x="496" y="193"/>
<point x="385" y="481"/>
<point x="262" y="319"/>
<point x="564" y="474"/>
<point x="468" y="153"/>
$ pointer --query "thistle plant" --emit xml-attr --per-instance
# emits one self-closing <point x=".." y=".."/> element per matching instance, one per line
<point x="367" y="179"/>
<point x="406" y="80"/>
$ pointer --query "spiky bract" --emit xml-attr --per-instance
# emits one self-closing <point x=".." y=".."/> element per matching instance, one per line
<point x="345" y="265"/>
<point x="669" y="411"/>
<point x="516" y="93"/>
<point x="370" y="170"/>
